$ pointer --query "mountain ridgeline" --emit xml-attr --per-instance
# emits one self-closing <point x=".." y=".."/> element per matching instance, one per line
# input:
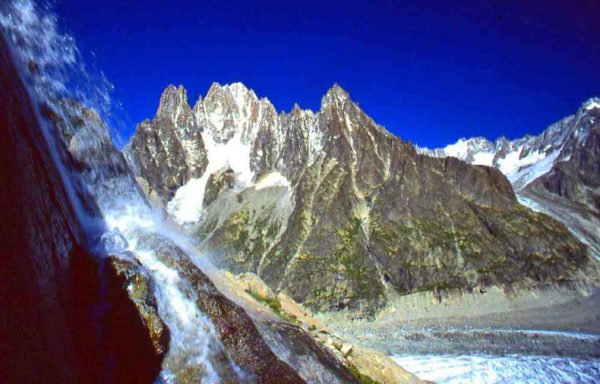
<point x="556" y="172"/>
<point x="334" y="210"/>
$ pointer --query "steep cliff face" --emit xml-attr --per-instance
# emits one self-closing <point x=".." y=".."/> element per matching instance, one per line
<point x="332" y="209"/>
<point x="79" y="304"/>
<point x="171" y="144"/>
<point x="63" y="310"/>
<point x="556" y="172"/>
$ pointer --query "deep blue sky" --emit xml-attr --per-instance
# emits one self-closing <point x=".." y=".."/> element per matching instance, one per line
<point x="430" y="71"/>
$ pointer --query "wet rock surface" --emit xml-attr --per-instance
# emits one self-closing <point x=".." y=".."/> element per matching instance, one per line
<point x="139" y="287"/>
<point x="59" y="317"/>
<point x="237" y="331"/>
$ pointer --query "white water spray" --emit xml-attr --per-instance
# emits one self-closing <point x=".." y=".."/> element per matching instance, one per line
<point x="51" y="67"/>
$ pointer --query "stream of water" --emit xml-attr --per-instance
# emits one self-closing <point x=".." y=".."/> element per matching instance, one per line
<point x="51" y="63"/>
<point x="52" y="69"/>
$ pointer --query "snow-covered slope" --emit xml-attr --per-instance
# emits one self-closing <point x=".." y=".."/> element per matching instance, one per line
<point x="525" y="159"/>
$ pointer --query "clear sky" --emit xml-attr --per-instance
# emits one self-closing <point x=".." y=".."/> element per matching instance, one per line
<point x="429" y="71"/>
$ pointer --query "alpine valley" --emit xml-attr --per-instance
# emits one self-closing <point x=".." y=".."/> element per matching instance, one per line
<point x="228" y="242"/>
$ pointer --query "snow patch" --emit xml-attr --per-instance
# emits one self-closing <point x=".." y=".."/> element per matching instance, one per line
<point x="186" y="206"/>
<point x="273" y="179"/>
<point x="592" y="104"/>
<point x="530" y="168"/>
<point x="484" y="158"/>
<point x="510" y="163"/>
<point x="460" y="149"/>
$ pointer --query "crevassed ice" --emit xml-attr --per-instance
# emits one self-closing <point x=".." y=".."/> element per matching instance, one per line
<point x="488" y="369"/>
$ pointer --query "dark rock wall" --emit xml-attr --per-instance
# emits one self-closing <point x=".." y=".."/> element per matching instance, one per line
<point x="64" y="318"/>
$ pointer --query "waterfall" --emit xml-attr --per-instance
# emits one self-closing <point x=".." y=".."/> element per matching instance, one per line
<point x="52" y="69"/>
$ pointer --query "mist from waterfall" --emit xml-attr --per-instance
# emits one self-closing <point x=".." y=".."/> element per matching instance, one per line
<point x="51" y="66"/>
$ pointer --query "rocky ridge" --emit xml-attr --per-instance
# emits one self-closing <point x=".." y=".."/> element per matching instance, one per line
<point x="556" y="172"/>
<point x="331" y="209"/>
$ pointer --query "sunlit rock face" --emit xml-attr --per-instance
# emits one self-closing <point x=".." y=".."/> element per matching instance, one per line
<point x="172" y="145"/>
<point x="66" y="317"/>
<point x="335" y="211"/>
<point x="556" y="172"/>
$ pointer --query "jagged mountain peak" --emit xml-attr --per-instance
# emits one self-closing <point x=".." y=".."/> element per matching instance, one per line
<point x="296" y="108"/>
<point x="337" y="89"/>
<point x="335" y="94"/>
<point x="591" y="103"/>
<point x="303" y="187"/>
<point x="172" y="100"/>
<point x="555" y="171"/>
<point x="225" y="105"/>
<point x="527" y="158"/>
<point x="234" y="95"/>
<point x="235" y="87"/>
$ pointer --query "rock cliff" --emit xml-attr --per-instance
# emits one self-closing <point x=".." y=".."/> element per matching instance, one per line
<point x="335" y="211"/>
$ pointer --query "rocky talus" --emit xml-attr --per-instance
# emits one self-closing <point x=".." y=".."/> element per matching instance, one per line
<point x="334" y="211"/>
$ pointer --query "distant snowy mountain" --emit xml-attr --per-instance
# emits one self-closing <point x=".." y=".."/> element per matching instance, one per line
<point x="557" y="172"/>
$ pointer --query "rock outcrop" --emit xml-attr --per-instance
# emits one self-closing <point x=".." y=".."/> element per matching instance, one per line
<point x="367" y="365"/>
<point x="172" y="147"/>
<point x="331" y="209"/>
<point x="240" y="334"/>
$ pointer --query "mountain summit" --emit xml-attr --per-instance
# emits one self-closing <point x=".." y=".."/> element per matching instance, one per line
<point x="332" y="209"/>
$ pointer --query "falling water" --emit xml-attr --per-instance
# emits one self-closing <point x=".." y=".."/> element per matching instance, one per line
<point x="51" y="67"/>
